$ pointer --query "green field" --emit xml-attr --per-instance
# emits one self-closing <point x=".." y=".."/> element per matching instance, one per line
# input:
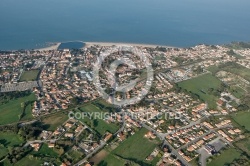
<point x="100" y="125"/>
<point x="8" y="139"/>
<point x="238" y="70"/>
<point x="233" y="68"/>
<point x="194" y="162"/>
<point x="28" y="112"/>
<point x="3" y="151"/>
<point x="11" y="111"/>
<point x="112" y="160"/>
<point x="45" y="151"/>
<point x="242" y="118"/>
<point x="29" y="75"/>
<point x="237" y="91"/>
<point x="75" y="155"/>
<point x="244" y="145"/>
<point x="102" y="102"/>
<point x="136" y="147"/>
<point x="225" y="158"/>
<point x="27" y="160"/>
<point x="53" y="121"/>
<point x="200" y="86"/>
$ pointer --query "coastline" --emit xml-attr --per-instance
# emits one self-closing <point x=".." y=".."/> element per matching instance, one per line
<point x="89" y="44"/>
<point x="52" y="47"/>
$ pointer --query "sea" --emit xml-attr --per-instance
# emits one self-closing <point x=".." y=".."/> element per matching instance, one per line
<point x="29" y="24"/>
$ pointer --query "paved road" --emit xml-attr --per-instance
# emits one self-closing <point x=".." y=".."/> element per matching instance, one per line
<point x="203" y="156"/>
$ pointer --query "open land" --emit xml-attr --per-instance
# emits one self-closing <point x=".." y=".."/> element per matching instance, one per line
<point x="136" y="147"/>
<point x="53" y="121"/>
<point x="226" y="157"/>
<point x="11" y="111"/>
<point x="242" y="118"/>
<point x="29" y="75"/>
<point x="200" y="86"/>
<point x="100" y="125"/>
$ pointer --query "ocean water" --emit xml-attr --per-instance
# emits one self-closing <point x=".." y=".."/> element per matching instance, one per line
<point x="26" y="24"/>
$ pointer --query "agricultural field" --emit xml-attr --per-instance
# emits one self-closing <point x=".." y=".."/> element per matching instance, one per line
<point x="28" y="112"/>
<point x="10" y="112"/>
<point x="237" y="91"/>
<point x="136" y="148"/>
<point x="8" y="140"/>
<point x="28" y="160"/>
<point x="52" y="121"/>
<point x="97" y="123"/>
<point x="242" y="118"/>
<point x="112" y="160"/>
<point x="3" y="151"/>
<point x="244" y="145"/>
<point x="238" y="70"/>
<point x="29" y="75"/>
<point x="233" y="68"/>
<point x="201" y="86"/>
<point x="226" y="157"/>
<point x="74" y="155"/>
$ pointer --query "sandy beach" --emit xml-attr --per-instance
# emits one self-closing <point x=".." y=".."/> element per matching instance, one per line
<point x="89" y="44"/>
<point x="52" y="47"/>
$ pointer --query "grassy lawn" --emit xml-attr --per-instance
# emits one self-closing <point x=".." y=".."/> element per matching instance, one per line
<point x="75" y="155"/>
<point x="90" y="108"/>
<point x="5" y="163"/>
<point x="54" y="120"/>
<point x="226" y="157"/>
<point x="45" y="151"/>
<point x="136" y="147"/>
<point x="29" y="161"/>
<point x="112" y="160"/>
<point x="200" y="86"/>
<point x="242" y="118"/>
<point x="3" y="151"/>
<point x="10" y="139"/>
<point x="28" y="112"/>
<point x="11" y="111"/>
<point x="237" y="91"/>
<point x="102" y="102"/>
<point x="97" y="123"/>
<point x="194" y="162"/>
<point x="155" y="160"/>
<point x="29" y="75"/>
<point x="213" y="69"/>
<point x="244" y="145"/>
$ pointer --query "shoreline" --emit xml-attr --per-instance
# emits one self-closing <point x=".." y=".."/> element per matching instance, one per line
<point x="89" y="44"/>
<point x="52" y="47"/>
<point x="103" y="44"/>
